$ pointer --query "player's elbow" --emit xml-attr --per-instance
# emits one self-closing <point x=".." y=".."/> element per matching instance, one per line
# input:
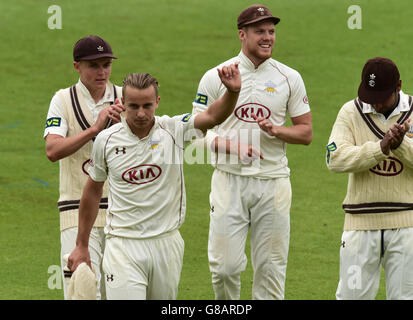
<point x="337" y="167"/>
<point x="307" y="138"/>
<point x="52" y="151"/>
<point x="332" y="168"/>
<point x="213" y="120"/>
<point x="303" y="134"/>
<point x="52" y="156"/>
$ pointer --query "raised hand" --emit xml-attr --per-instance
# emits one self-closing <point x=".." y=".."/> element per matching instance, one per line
<point x="231" y="77"/>
<point x="394" y="136"/>
<point x="115" y="110"/>
<point x="111" y="112"/>
<point x="399" y="131"/>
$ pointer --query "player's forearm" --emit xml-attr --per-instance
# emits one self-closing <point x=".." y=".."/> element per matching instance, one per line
<point x="88" y="211"/>
<point x="227" y="146"/>
<point x="349" y="158"/>
<point x="217" y="112"/>
<point x="222" y="108"/>
<point x="58" y="147"/>
<point x="297" y="134"/>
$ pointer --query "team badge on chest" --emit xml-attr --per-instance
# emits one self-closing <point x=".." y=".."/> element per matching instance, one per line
<point x="270" y="88"/>
<point x="154" y="145"/>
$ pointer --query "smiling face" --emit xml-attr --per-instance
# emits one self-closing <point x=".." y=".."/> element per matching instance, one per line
<point x="258" y="41"/>
<point x="140" y="107"/>
<point x="94" y="73"/>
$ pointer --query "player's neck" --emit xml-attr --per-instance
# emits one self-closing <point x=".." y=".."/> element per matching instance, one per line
<point x="256" y="61"/>
<point x="97" y="94"/>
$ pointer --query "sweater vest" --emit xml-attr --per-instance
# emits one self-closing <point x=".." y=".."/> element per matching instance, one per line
<point x="381" y="197"/>
<point x="73" y="169"/>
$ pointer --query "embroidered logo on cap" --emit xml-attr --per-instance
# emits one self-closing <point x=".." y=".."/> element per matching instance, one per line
<point x="372" y="83"/>
<point x="261" y="11"/>
<point x="100" y="48"/>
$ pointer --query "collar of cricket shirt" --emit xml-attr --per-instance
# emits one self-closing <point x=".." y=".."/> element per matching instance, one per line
<point x="248" y="64"/>
<point x="107" y="97"/>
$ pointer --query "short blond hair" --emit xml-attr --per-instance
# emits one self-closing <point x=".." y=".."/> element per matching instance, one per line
<point x="140" y="81"/>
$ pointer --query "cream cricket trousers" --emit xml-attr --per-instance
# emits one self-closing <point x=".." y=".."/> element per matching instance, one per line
<point x="96" y="249"/>
<point x="238" y="204"/>
<point x="362" y="255"/>
<point x="139" y="269"/>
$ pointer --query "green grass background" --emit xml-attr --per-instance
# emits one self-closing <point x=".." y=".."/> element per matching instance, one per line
<point x="177" y="41"/>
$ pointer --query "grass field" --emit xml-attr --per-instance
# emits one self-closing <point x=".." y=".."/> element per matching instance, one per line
<point x="177" y="41"/>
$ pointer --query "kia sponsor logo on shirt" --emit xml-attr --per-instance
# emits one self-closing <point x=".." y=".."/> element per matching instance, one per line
<point x="388" y="167"/>
<point x="142" y="174"/>
<point x="245" y="111"/>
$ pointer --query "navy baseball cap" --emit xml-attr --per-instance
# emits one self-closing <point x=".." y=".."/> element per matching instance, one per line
<point x="379" y="79"/>
<point x="255" y="13"/>
<point x="92" y="47"/>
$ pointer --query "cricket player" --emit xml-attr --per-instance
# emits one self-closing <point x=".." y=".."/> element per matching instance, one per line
<point x="371" y="140"/>
<point x="76" y="115"/>
<point x="254" y="191"/>
<point x="142" y="159"/>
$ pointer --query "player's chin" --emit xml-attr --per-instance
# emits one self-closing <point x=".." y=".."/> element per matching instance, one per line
<point x="141" y="123"/>
<point x="264" y="53"/>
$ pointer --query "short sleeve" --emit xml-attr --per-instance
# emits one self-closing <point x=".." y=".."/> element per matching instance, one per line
<point x="55" y="120"/>
<point x="298" y="103"/>
<point x="208" y="91"/>
<point x="97" y="166"/>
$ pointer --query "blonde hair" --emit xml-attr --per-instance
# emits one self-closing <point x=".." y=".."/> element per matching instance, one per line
<point x="140" y="81"/>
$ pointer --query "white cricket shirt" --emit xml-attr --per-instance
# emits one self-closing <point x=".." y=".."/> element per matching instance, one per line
<point x="272" y="90"/>
<point x="146" y="182"/>
<point x="56" y="117"/>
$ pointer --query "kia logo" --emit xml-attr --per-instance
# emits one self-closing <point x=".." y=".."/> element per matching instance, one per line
<point x="142" y="174"/>
<point x="244" y="112"/>
<point x="388" y="167"/>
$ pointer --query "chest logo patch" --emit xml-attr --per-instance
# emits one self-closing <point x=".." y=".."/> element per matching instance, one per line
<point x="245" y="111"/>
<point x="270" y="88"/>
<point x="142" y="174"/>
<point x="388" y="167"/>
